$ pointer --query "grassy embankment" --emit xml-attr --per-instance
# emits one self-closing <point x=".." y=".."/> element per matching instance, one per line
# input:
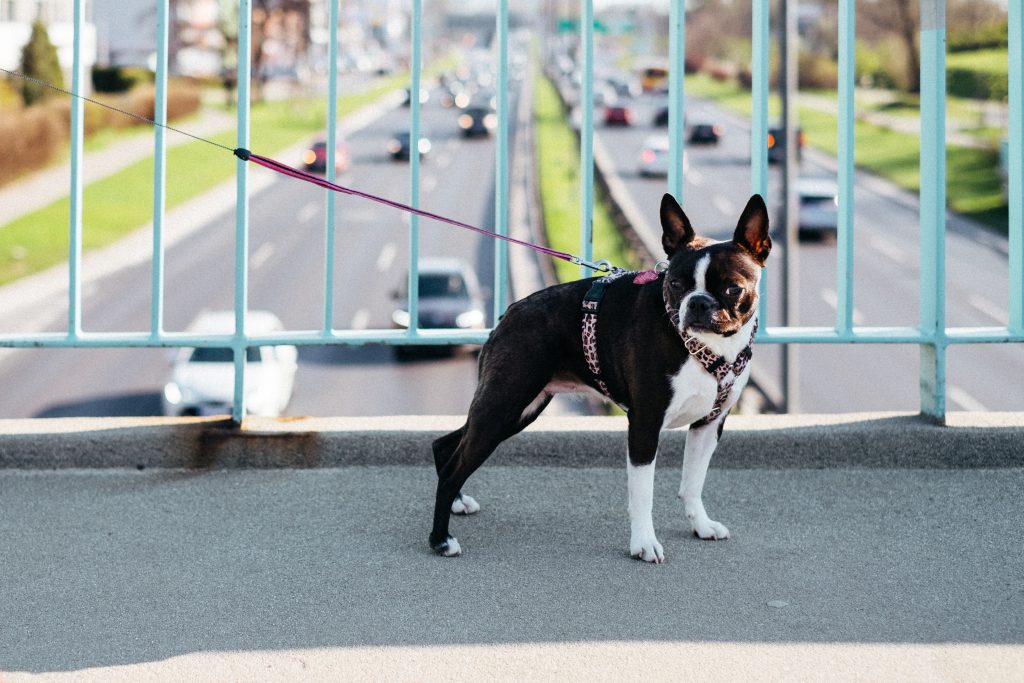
<point x="122" y="202"/>
<point x="558" y="162"/>
<point x="972" y="179"/>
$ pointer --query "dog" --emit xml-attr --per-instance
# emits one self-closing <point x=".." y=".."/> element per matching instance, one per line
<point x="671" y="348"/>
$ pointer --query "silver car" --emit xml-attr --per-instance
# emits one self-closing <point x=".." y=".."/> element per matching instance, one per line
<point x="818" y="200"/>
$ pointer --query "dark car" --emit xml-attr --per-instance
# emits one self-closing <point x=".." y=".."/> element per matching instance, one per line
<point x="777" y="144"/>
<point x="475" y="121"/>
<point x="315" y="158"/>
<point x="398" y="145"/>
<point x="705" y="134"/>
<point x="449" y="297"/>
<point x="660" y="117"/>
<point x="617" y="115"/>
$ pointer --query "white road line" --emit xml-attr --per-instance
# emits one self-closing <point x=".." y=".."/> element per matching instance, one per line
<point x="361" y="320"/>
<point x="428" y="183"/>
<point x="261" y="256"/>
<point x="988" y="308"/>
<point x="307" y="212"/>
<point x="723" y="205"/>
<point x="443" y="159"/>
<point x="695" y="178"/>
<point x="888" y="248"/>
<point x="830" y="297"/>
<point x="386" y="257"/>
<point x="964" y="400"/>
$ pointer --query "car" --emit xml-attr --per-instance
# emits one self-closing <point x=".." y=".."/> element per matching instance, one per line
<point x="777" y="144"/>
<point x="398" y="145"/>
<point x="315" y="158"/>
<point x="477" y="121"/>
<point x="202" y="380"/>
<point x="818" y="206"/>
<point x="704" y="134"/>
<point x="660" y="118"/>
<point x="654" y="157"/>
<point x="618" y="115"/>
<point x="450" y="296"/>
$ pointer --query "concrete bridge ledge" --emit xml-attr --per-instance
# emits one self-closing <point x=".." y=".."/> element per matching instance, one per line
<point x="969" y="440"/>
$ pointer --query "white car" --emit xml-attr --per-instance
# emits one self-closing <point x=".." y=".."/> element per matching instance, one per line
<point x="655" y="158"/>
<point x="819" y="206"/>
<point x="203" y="379"/>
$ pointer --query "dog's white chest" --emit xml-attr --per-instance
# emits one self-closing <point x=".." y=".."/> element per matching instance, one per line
<point x="693" y="395"/>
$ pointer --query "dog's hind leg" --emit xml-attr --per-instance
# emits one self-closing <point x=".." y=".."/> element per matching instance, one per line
<point x="444" y="449"/>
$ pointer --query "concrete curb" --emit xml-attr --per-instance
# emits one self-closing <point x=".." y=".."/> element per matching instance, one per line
<point x="886" y="440"/>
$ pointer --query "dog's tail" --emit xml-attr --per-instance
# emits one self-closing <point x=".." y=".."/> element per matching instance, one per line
<point x="444" y="447"/>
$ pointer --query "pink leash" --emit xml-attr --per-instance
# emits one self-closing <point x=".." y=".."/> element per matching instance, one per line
<point x="246" y="155"/>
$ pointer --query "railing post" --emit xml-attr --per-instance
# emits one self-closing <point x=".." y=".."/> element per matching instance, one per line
<point x="676" y="101"/>
<point x="332" y="138"/>
<point x="414" y="169"/>
<point x="75" y="207"/>
<point x="587" y="137"/>
<point x="933" y="208"/>
<point x="501" y="214"/>
<point x="1015" y="164"/>
<point x="759" y="125"/>
<point x="242" y="208"/>
<point x="159" y="172"/>
<point x="844" y="232"/>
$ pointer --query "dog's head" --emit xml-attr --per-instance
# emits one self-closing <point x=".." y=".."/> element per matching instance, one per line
<point x="712" y="284"/>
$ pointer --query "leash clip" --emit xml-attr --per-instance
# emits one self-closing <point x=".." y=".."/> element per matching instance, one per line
<point x="602" y="266"/>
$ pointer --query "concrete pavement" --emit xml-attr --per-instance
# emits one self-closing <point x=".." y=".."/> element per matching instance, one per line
<point x="853" y="557"/>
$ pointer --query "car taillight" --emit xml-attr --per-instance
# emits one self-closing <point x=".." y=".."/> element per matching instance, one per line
<point x="308" y="157"/>
<point x="800" y="138"/>
<point x="771" y="140"/>
<point x="648" y="156"/>
<point x="465" y="121"/>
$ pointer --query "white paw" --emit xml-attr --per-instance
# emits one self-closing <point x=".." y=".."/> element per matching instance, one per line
<point x="465" y="505"/>
<point x="710" y="530"/>
<point x="451" y="547"/>
<point x="646" y="548"/>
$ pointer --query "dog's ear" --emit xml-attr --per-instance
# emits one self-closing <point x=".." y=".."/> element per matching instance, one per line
<point x="676" y="231"/>
<point x="752" y="230"/>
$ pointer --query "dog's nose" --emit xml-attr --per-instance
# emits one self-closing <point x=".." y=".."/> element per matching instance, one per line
<point x="699" y="305"/>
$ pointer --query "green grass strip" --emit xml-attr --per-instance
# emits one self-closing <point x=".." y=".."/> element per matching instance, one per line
<point x="119" y="204"/>
<point x="973" y="186"/>
<point x="558" y="161"/>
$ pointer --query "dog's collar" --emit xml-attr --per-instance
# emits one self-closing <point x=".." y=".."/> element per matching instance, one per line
<point x="722" y="370"/>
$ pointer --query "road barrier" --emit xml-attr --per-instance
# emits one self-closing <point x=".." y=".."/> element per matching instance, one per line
<point x="931" y="335"/>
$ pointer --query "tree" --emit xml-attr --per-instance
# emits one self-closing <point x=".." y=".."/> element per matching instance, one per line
<point x="39" y="61"/>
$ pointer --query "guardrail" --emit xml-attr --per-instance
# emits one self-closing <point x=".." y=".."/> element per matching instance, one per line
<point x="931" y="334"/>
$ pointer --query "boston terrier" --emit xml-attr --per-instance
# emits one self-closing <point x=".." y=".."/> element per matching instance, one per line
<point x="670" y="347"/>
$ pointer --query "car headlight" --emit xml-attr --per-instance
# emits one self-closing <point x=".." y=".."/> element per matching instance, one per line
<point x="470" y="318"/>
<point x="394" y="146"/>
<point x="309" y="157"/>
<point x="400" y="318"/>
<point x="172" y="392"/>
<point x="490" y="121"/>
<point x="424" y="145"/>
<point x="465" y="121"/>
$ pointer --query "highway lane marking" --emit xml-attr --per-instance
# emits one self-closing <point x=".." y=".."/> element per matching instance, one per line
<point x="308" y="211"/>
<point x="888" y="249"/>
<point x="361" y="320"/>
<point x="386" y="257"/>
<point x="443" y="160"/>
<point x="261" y="255"/>
<point x="724" y="205"/>
<point x="982" y="304"/>
<point x="695" y="178"/>
<point x="964" y="399"/>
<point x="830" y="297"/>
<point x="428" y="183"/>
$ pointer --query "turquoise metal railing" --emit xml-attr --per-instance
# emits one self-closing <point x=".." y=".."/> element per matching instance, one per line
<point x="932" y="335"/>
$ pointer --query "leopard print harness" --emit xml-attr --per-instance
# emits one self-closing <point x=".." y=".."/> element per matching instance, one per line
<point x="725" y="373"/>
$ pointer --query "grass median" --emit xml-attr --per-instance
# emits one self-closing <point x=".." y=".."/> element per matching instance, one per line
<point x="972" y="178"/>
<point x="121" y="203"/>
<point x="558" y="163"/>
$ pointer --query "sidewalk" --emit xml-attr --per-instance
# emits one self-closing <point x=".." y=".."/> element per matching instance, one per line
<point x="325" y="574"/>
<point x="40" y="189"/>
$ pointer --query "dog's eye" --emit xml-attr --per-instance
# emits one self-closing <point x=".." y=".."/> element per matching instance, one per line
<point x="733" y="290"/>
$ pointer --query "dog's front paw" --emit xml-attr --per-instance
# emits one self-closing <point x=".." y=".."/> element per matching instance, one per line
<point x="449" y="547"/>
<point x="465" y="505"/>
<point x="710" y="530"/>
<point x="646" y="548"/>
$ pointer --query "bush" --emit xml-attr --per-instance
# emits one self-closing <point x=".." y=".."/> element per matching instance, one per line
<point x="29" y="138"/>
<point x="817" y="72"/>
<point x="39" y="60"/>
<point x="981" y="75"/>
<point x="117" y="79"/>
<point x="985" y="36"/>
